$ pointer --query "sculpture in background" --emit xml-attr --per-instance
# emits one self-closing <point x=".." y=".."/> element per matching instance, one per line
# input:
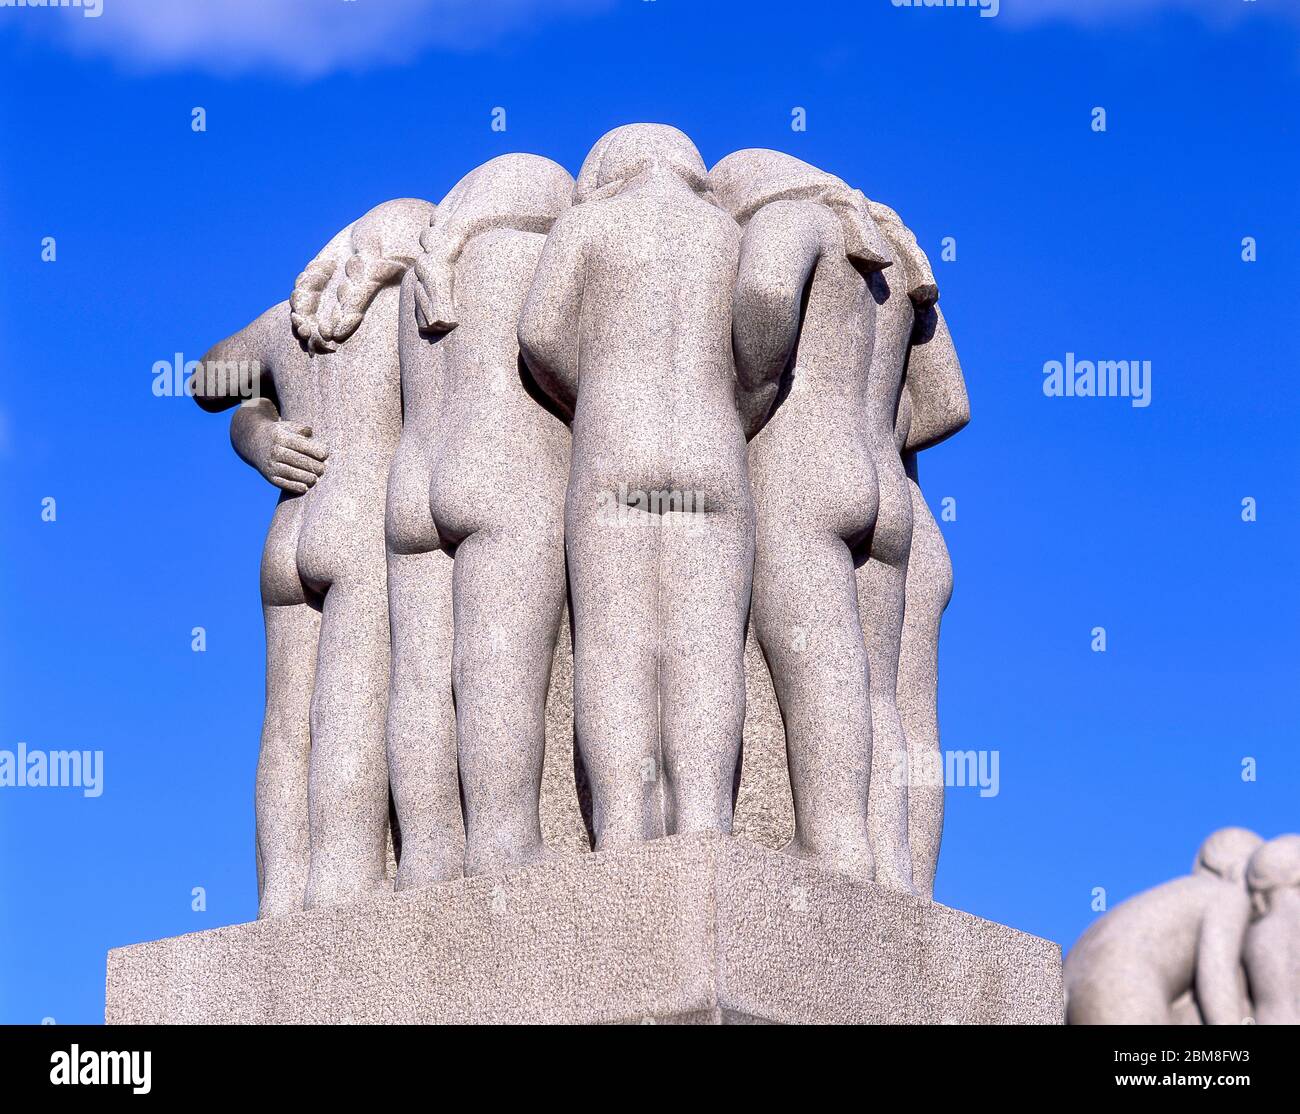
<point x="1217" y="946"/>
<point x="1271" y="953"/>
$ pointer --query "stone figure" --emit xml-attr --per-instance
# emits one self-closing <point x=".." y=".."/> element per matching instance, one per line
<point x="803" y="330"/>
<point x="1136" y="964"/>
<point x="628" y="328"/>
<point x="933" y="407"/>
<point x="420" y="735"/>
<point x="904" y="295"/>
<point x="694" y="330"/>
<point x="323" y="429"/>
<point x="483" y="479"/>
<point x="1272" y="950"/>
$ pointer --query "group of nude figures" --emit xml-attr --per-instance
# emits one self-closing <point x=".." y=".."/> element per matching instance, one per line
<point x="448" y="401"/>
<point x="1220" y="946"/>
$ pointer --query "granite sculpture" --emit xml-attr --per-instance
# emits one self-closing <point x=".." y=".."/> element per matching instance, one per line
<point x="1271" y="952"/>
<point x="649" y="390"/>
<point x="932" y="407"/>
<point x="803" y="325"/>
<point x="628" y="329"/>
<point x="322" y="427"/>
<point x="498" y="465"/>
<point x="1219" y="946"/>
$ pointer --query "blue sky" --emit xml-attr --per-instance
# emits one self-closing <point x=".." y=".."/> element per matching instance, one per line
<point x="1072" y="513"/>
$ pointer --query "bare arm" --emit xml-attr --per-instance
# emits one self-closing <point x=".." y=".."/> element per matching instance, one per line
<point x="284" y="452"/>
<point x="1218" y="959"/>
<point x="549" y="324"/>
<point x="240" y="367"/>
<point x="940" y="406"/>
<point x="778" y="254"/>
<point x="240" y="372"/>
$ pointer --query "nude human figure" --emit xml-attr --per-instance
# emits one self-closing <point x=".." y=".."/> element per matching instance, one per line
<point x="628" y="327"/>
<point x="329" y="370"/>
<point x="1272" y="949"/>
<point x="420" y="734"/>
<point x="903" y="294"/>
<point x="804" y="330"/>
<point x="480" y="474"/>
<point x="933" y="406"/>
<point x="1137" y="961"/>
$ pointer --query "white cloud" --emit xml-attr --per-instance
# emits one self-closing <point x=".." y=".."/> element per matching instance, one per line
<point x="1091" y="13"/>
<point x="306" y="38"/>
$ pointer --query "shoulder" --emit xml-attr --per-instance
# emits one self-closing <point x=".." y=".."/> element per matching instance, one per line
<point x="791" y="221"/>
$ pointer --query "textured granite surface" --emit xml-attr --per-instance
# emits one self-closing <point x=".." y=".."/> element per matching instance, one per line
<point x="697" y="929"/>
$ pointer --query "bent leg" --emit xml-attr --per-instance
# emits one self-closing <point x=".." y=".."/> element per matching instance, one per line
<point x="509" y="596"/>
<point x="1108" y="1001"/>
<point x="805" y="614"/>
<point x="348" y="784"/>
<point x="421" y="726"/>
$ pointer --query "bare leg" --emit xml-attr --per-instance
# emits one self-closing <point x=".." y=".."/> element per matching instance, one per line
<point x="929" y="587"/>
<point x="292" y="636"/>
<point x="348" y="785"/>
<point x="292" y="631"/>
<point x="613" y="569"/>
<point x="806" y="618"/>
<point x="1135" y="1001"/>
<point x="509" y="596"/>
<point x="703" y="589"/>
<point x="881" y="599"/>
<point x="421" y="729"/>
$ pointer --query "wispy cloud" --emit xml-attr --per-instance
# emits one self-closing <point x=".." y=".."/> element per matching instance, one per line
<point x="1092" y="13"/>
<point x="307" y="38"/>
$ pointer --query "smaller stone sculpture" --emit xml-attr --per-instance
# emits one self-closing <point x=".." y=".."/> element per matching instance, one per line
<point x="499" y="464"/>
<point x="1135" y="964"/>
<point x="1272" y="951"/>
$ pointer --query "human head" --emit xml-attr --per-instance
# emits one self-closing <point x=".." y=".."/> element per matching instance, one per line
<point x="1274" y="866"/>
<point x="629" y="151"/>
<point x="1226" y="852"/>
<point x="524" y="192"/>
<point x="745" y="181"/>
<point x="331" y="296"/>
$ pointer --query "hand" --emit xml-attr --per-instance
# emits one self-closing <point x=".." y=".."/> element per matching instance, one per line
<point x="284" y="452"/>
<point x="292" y="459"/>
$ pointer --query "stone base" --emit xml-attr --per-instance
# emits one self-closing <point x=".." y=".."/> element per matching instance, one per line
<point x="695" y="929"/>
